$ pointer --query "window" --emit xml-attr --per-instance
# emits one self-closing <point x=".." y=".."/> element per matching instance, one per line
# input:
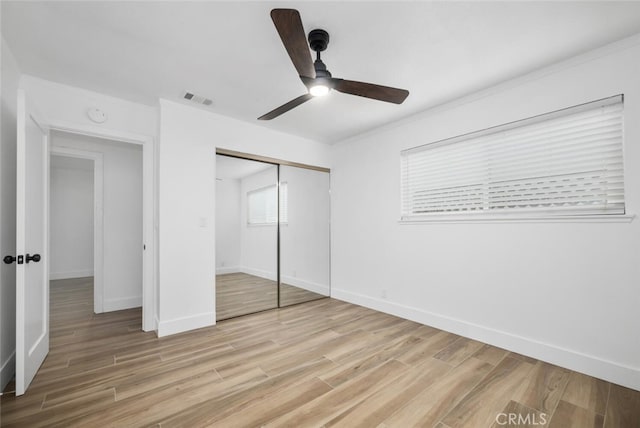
<point x="261" y="205"/>
<point x="567" y="162"/>
<point x="284" y="202"/>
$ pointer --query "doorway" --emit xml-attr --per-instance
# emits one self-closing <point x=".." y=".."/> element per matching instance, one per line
<point x="96" y="218"/>
<point x="33" y="141"/>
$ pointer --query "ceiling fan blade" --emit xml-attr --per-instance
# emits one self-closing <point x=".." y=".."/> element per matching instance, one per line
<point x="289" y="26"/>
<point x="286" y="107"/>
<point x="369" y="90"/>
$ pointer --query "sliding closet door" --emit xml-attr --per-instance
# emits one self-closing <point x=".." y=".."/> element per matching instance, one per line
<point x="246" y="237"/>
<point x="304" y="235"/>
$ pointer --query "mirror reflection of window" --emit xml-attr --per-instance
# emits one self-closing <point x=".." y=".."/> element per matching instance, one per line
<point x="261" y="205"/>
<point x="284" y="203"/>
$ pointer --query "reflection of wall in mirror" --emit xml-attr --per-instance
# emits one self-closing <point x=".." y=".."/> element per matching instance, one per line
<point x="227" y="226"/>
<point x="304" y="240"/>
<point x="258" y="249"/>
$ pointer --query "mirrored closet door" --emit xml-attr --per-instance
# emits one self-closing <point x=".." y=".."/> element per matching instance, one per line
<point x="272" y="235"/>
<point x="246" y="237"/>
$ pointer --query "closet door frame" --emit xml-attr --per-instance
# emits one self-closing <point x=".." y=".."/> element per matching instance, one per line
<point x="277" y="163"/>
<point x="266" y="159"/>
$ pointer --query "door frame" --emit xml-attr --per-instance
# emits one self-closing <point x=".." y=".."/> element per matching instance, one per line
<point x="98" y="217"/>
<point x="149" y="211"/>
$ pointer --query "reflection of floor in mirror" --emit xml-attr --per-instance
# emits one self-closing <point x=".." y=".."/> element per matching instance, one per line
<point x="290" y="295"/>
<point x="240" y="294"/>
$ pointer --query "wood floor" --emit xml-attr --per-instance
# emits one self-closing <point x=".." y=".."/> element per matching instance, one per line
<point x="324" y="363"/>
<point x="240" y="294"/>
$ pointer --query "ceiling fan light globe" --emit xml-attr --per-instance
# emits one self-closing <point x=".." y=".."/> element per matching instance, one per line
<point x="319" y="90"/>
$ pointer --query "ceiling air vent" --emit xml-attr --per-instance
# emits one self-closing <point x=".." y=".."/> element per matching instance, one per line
<point x="198" y="99"/>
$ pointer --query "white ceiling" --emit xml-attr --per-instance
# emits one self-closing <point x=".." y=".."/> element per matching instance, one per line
<point x="67" y="162"/>
<point x="230" y="51"/>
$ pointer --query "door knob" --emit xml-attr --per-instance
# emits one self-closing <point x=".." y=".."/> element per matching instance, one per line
<point x="10" y="259"/>
<point x="35" y="258"/>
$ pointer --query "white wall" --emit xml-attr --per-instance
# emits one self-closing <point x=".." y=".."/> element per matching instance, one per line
<point x="122" y="218"/>
<point x="188" y="141"/>
<point x="564" y="292"/>
<point x="68" y="105"/>
<point x="9" y="94"/>
<point x="227" y="225"/>
<point x="71" y="218"/>
<point x="259" y="249"/>
<point x="304" y="240"/>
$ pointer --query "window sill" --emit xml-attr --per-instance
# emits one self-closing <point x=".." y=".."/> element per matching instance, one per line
<point x="626" y="218"/>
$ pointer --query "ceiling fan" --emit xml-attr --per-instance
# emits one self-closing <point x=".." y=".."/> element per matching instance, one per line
<point x="315" y="75"/>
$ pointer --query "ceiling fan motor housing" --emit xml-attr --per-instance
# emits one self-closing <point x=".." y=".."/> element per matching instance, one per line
<point x="318" y="40"/>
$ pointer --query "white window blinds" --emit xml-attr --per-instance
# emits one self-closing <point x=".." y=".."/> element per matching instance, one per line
<point x="567" y="162"/>
<point x="284" y="202"/>
<point x="262" y="205"/>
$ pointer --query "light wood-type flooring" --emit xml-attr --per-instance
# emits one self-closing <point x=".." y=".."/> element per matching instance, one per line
<point x="240" y="294"/>
<point x="323" y="363"/>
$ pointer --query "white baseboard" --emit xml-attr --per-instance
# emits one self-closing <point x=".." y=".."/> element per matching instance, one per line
<point x="273" y="276"/>
<point x="227" y="269"/>
<point x="8" y="370"/>
<point x="109" y="305"/>
<point x="70" y="274"/>
<point x="570" y="359"/>
<point x="306" y="285"/>
<point x="179" y="325"/>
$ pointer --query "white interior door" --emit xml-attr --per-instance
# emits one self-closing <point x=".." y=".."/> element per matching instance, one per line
<point x="32" y="282"/>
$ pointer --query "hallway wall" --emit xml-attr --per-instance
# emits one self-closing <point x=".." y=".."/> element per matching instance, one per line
<point x="71" y="218"/>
